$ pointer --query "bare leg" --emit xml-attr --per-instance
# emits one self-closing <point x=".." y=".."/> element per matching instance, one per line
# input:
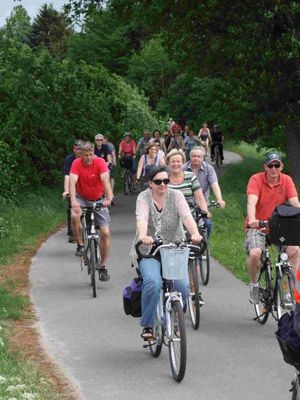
<point x="104" y="244"/>
<point x="76" y="229"/>
<point x="294" y="257"/>
<point x="253" y="262"/>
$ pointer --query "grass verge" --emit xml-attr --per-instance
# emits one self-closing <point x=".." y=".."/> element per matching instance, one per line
<point x="227" y="240"/>
<point x="23" y="226"/>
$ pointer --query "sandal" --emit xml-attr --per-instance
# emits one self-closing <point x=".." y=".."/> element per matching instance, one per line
<point x="147" y="334"/>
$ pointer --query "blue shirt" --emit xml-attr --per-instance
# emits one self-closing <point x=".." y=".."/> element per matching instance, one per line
<point x="206" y="176"/>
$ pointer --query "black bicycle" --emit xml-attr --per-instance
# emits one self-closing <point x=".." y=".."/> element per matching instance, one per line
<point x="91" y="239"/>
<point x="126" y="165"/>
<point x="276" y="294"/>
<point x="217" y="156"/>
<point x="204" y="260"/>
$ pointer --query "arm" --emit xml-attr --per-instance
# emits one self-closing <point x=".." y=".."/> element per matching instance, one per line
<point x="140" y="168"/>
<point x="66" y="186"/>
<point x="200" y="200"/>
<point x="162" y="161"/>
<point x="294" y="201"/>
<point x="72" y="188"/>
<point x="120" y="150"/>
<point x="191" y="226"/>
<point x="104" y="177"/>
<point x="218" y="195"/>
<point x="252" y="200"/>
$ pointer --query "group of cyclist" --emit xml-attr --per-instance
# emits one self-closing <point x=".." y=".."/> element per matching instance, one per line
<point x="173" y="172"/>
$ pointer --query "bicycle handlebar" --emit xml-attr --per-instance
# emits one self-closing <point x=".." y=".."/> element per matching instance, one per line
<point x="94" y="207"/>
<point x="261" y="224"/>
<point x="158" y="244"/>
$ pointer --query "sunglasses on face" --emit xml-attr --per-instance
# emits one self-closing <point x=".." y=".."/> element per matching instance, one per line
<point x="274" y="165"/>
<point x="158" y="182"/>
<point x="99" y="140"/>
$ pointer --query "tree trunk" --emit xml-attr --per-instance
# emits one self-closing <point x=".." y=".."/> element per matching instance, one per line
<point x="293" y="150"/>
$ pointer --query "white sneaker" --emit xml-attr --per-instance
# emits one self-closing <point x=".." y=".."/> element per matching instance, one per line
<point x="254" y="293"/>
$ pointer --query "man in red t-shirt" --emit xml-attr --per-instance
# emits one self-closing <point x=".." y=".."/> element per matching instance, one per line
<point x="265" y="191"/>
<point x="89" y="181"/>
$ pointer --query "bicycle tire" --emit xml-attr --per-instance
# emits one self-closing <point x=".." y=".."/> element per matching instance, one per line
<point x="177" y="342"/>
<point x="193" y="300"/>
<point x="217" y="157"/>
<point x="205" y="265"/>
<point x="262" y="309"/>
<point x="285" y="292"/>
<point x="93" y="266"/>
<point x="156" y="345"/>
<point x="130" y="183"/>
<point x="125" y="183"/>
<point x="295" y="388"/>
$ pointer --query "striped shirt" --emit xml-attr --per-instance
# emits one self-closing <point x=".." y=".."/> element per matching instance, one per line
<point x="189" y="185"/>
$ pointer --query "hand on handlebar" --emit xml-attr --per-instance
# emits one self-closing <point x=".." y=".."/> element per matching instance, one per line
<point x="253" y="223"/>
<point x="196" y="238"/>
<point x="147" y="240"/>
<point x="222" y="203"/>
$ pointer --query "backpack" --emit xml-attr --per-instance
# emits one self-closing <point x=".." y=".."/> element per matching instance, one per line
<point x="284" y="226"/>
<point x="132" y="298"/>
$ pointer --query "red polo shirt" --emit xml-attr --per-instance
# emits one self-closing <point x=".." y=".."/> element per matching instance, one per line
<point x="270" y="196"/>
<point x="128" y="148"/>
<point x="89" y="185"/>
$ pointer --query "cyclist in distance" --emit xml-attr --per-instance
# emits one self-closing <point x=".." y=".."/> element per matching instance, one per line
<point x="102" y="150"/>
<point x="160" y="211"/>
<point x="112" y="168"/>
<point x="68" y="161"/>
<point x="89" y="182"/>
<point x="204" y="136"/>
<point x="207" y="177"/>
<point x="149" y="158"/>
<point x="217" y="139"/>
<point x="127" y="148"/>
<point x="143" y="142"/>
<point x="265" y="191"/>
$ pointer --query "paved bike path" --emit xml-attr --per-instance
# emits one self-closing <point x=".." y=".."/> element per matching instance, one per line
<point x="230" y="356"/>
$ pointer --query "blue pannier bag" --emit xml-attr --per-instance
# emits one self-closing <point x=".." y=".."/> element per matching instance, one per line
<point x="288" y="339"/>
<point x="132" y="298"/>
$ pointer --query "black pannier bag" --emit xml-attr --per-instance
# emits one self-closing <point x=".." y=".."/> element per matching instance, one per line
<point x="289" y="341"/>
<point x="284" y="226"/>
<point x="132" y="298"/>
<point x="126" y="162"/>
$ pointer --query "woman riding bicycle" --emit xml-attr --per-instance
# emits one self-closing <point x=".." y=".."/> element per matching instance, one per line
<point x="185" y="181"/>
<point x="160" y="211"/>
<point x="148" y="159"/>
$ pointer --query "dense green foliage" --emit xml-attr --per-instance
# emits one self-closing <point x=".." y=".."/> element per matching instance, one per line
<point x="47" y="102"/>
<point x="241" y="62"/>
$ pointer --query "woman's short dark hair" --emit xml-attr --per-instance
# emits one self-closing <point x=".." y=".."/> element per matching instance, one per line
<point x="154" y="170"/>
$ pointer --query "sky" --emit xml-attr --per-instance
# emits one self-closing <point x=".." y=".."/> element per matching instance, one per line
<point x="32" y="7"/>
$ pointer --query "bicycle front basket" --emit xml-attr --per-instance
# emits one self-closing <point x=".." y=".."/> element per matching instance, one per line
<point x="175" y="263"/>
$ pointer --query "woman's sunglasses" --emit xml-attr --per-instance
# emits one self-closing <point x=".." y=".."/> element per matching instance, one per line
<point x="158" y="182"/>
<point x="274" y="165"/>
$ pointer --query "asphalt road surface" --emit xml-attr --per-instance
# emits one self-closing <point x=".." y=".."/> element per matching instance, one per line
<point x="230" y="357"/>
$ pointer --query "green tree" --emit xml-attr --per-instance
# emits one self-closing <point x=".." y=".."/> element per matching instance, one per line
<point x="50" y="28"/>
<point x="152" y="70"/>
<point x="17" y="26"/>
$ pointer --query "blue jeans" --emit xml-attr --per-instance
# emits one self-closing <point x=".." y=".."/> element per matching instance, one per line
<point x="208" y="225"/>
<point x="152" y="284"/>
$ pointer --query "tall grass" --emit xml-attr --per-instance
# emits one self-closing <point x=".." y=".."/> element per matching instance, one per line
<point x="227" y="238"/>
<point x="22" y="223"/>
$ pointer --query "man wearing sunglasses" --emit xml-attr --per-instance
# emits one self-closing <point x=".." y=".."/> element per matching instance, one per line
<point x="265" y="191"/>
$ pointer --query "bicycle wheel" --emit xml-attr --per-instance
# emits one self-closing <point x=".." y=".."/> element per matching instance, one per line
<point x="93" y="266"/>
<point x="217" y="157"/>
<point x="205" y="265"/>
<point x="285" y="292"/>
<point x="130" y="182"/>
<point x="156" y="345"/>
<point x="295" y="388"/>
<point x="177" y="342"/>
<point x="193" y="300"/>
<point x="262" y="309"/>
<point x="126" y="182"/>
